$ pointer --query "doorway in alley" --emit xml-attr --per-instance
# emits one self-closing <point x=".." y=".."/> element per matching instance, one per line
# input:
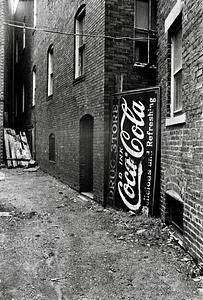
<point x="86" y="153"/>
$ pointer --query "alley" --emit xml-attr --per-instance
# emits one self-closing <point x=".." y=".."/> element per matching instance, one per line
<point x="57" y="245"/>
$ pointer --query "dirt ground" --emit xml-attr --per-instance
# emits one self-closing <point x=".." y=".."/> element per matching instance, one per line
<point x="58" y="245"/>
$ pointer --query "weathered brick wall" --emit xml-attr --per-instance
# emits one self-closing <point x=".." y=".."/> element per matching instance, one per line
<point x="8" y="63"/>
<point x="119" y="53"/>
<point x="119" y="22"/>
<point x="1" y="77"/>
<point x="105" y="59"/>
<point x="181" y="145"/>
<point x="71" y="100"/>
<point x="5" y="71"/>
<point x="24" y="121"/>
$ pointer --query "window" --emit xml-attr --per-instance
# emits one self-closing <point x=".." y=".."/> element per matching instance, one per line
<point x="175" y="212"/>
<point x="176" y="71"/>
<point x="16" y="50"/>
<point x="145" y="33"/>
<point x="23" y="98"/>
<point x="24" y="32"/>
<point x="35" y="13"/>
<point x="52" y="147"/>
<point x="173" y="28"/>
<point x="50" y="71"/>
<point x="80" y="43"/>
<point x="33" y="85"/>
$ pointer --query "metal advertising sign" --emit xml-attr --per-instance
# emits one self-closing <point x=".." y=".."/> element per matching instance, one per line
<point x="134" y="147"/>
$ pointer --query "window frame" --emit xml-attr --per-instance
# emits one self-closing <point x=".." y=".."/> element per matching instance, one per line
<point x="50" y="71"/>
<point x="149" y="32"/>
<point x="35" y="14"/>
<point x="24" y="35"/>
<point x="173" y="25"/>
<point x="79" y="52"/>
<point x="174" y="72"/>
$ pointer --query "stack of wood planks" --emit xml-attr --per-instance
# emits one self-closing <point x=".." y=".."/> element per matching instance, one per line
<point x="16" y="148"/>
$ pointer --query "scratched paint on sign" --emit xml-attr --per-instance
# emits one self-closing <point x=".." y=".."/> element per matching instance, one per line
<point x="134" y="143"/>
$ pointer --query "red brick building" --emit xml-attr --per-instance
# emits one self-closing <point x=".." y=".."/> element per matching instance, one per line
<point x="180" y="63"/>
<point x="24" y="116"/>
<point x="71" y="65"/>
<point x="75" y="83"/>
<point x="1" y="78"/>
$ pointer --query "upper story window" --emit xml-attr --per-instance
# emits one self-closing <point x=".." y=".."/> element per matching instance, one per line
<point x="33" y="85"/>
<point x="79" y="42"/>
<point x="145" y="33"/>
<point x="35" y="13"/>
<point x="24" y="34"/>
<point x="13" y="5"/>
<point x="50" y="70"/>
<point x="176" y="71"/>
<point x="173" y="29"/>
<point x="16" y="52"/>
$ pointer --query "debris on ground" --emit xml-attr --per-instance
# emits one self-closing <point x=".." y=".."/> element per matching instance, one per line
<point x="63" y="246"/>
<point x="2" y="176"/>
<point x="16" y="148"/>
<point x="35" y="169"/>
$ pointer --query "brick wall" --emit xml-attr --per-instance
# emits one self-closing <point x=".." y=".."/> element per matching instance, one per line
<point x="5" y="68"/>
<point x="181" y="145"/>
<point x="105" y="59"/>
<point x="1" y="77"/>
<point x="71" y="100"/>
<point x="119" y="59"/>
<point x="23" y="68"/>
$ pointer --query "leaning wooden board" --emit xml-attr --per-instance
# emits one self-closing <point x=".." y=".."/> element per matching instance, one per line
<point x="12" y="135"/>
<point x="7" y="147"/>
<point x="20" y="153"/>
<point x="25" y="145"/>
<point x="17" y="148"/>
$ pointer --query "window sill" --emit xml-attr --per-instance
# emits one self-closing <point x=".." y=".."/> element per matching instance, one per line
<point x="79" y="79"/>
<point x="181" y="119"/>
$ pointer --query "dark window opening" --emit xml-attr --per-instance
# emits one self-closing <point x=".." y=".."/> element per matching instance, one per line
<point x="86" y="154"/>
<point x="145" y="33"/>
<point x="175" y="211"/>
<point x="52" y="147"/>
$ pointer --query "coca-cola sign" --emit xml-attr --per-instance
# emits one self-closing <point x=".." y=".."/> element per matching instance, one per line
<point x="134" y="147"/>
